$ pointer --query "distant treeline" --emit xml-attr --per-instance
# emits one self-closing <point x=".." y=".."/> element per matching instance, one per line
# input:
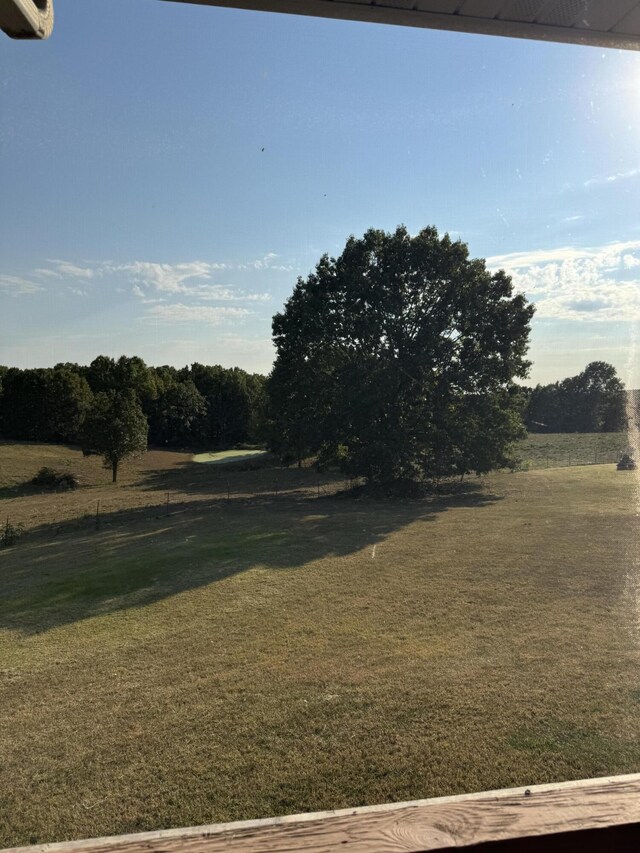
<point x="221" y="407"/>
<point x="196" y="405"/>
<point x="592" y="401"/>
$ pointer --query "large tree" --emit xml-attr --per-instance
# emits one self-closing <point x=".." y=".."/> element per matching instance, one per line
<point x="399" y="358"/>
<point x="116" y="427"/>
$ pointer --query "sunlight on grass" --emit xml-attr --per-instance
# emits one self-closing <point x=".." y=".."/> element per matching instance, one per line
<point x="222" y="456"/>
<point x="247" y="659"/>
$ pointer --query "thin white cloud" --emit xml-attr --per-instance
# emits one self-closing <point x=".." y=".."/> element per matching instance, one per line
<point x="16" y="285"/>
<point x="180" y="313"/>
<point x="518" y="260"/>
<point x="170" y="278"/>
<point x="567" y="220"/>
<point x="192" y="277"/>
<point x="578" y="283"/>
<point x="48" y="273"/>
<point x="219" y="293"/>
<point x="66" y="269"/>
<point x="147" y="280"/>
<point x="603" y="180"/>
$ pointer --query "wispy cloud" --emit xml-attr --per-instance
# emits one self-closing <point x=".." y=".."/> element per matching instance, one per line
<point x="218" y="293"/>
<point x="186" y="279"/>
<point x="16" y="285"/>
<point x="180" y="313"/>
<point x="568" y="220"/>
<point x="65" y="269"/>
<point x="144" y="279"/>
<point x="603" y="180"/>
<point x="571" y="283"/>
<point x="170" y="278"/>
<point x="518" y="260"/>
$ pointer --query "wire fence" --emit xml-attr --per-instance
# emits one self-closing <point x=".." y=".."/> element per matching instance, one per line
<point x="106" y="512"/>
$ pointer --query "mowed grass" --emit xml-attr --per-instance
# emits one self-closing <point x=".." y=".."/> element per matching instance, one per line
<point x="282" y="653"/>
<point x="552" y="450"/>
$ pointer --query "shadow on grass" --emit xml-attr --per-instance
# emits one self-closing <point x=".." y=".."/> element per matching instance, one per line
<point x="264" y="475"/>
<point x="21" y="490"/>
<point x="59" y="579"/>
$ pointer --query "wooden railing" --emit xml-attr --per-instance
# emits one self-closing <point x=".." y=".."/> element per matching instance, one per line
<point x="595" y="814"/>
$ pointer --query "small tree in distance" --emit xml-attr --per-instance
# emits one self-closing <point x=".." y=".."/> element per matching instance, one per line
<point x="116" y="427"/>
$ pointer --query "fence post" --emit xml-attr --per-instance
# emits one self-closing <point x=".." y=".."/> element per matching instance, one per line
<point x="318" y="488"/>
<point x="228" y="493"/>
<point x="98" y="515"/>
<point x="167" y="503"/>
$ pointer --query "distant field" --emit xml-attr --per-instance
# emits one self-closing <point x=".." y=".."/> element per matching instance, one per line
<point x="565" y="449"/>
<point x="252" y="649"/>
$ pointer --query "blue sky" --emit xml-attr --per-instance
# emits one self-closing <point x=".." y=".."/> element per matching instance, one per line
<point x="169" y="170"/>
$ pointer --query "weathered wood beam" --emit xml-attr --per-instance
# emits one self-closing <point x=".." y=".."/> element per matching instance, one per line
<point x="599" y="814"/>
<point x="26" y="19"/>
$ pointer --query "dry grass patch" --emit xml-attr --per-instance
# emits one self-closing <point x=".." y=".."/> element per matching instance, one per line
<point x="256" y="658"/>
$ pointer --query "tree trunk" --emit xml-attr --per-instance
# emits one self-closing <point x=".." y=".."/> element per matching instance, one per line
<point x="114" y="469"/>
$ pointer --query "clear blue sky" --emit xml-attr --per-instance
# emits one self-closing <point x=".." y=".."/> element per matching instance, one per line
<point x="169" y="170"/>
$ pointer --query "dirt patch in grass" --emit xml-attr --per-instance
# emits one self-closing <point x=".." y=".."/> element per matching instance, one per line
<point x="279" y="653"/>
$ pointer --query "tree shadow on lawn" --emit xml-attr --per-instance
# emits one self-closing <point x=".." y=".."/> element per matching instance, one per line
<point x="19" y="490"/>
<point x="48" y="582"/>
<point x="259" y="477"/>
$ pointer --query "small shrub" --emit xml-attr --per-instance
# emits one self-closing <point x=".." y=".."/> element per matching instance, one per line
<point x="60" y="481"/>
<point x="518" y="464"/>
<point x="10" y="534"/>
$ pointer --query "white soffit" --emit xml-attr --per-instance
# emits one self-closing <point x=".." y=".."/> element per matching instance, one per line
<point x="606" y="23"/>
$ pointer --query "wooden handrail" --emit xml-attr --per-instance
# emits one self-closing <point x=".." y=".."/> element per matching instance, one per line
<point x="599" y="814"/>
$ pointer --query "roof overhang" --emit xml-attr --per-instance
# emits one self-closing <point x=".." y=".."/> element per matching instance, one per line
<point x="606" y="23"/>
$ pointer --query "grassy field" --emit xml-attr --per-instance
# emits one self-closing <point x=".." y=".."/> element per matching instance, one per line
<point x="253" y="649"/>
<point x="561" y="450"/>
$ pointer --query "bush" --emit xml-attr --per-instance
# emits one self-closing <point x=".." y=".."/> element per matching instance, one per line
<point x="10" y="534"/>
<point x="60" y="481"/>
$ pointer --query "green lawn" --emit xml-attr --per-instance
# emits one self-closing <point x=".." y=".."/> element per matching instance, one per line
<point x="558" y="450"/>
<point x="260" y="656"/>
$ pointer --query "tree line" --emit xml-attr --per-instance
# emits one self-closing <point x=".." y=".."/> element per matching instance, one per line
<point x="202" y="405"/>
<point x="593" y="401"/>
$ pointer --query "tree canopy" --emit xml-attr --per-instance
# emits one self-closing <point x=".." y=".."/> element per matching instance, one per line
<point x="398" y="358"/>
<point x="192" y="406"/>
<point x="592" y="401"/>
<point x="115" y="427"/>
